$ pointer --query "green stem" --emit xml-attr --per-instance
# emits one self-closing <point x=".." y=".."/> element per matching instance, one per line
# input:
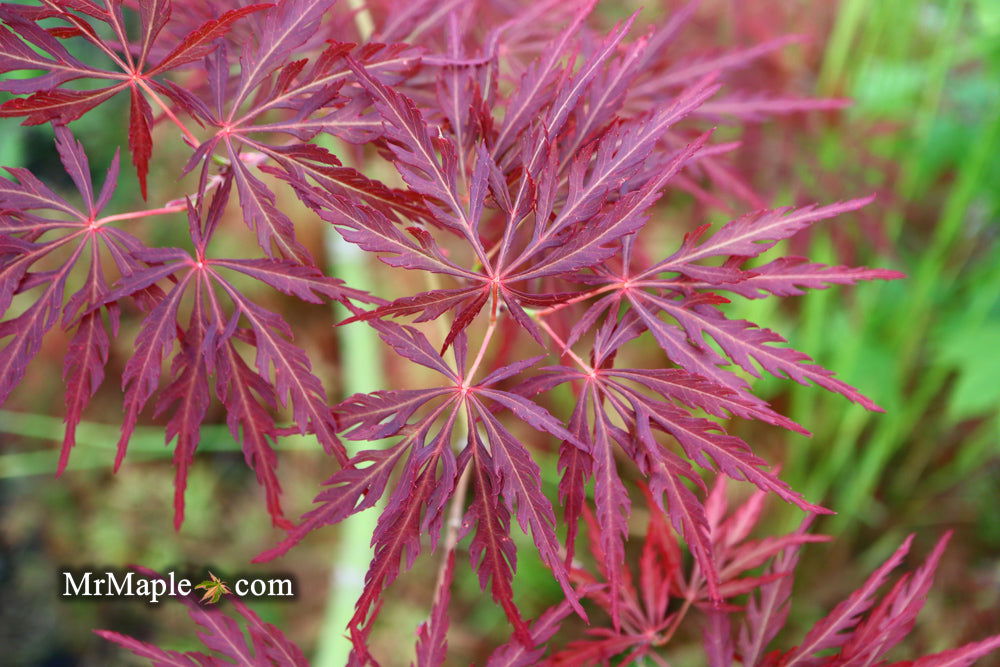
<point x="362" y="371"/>
<point x="95" y="443"/>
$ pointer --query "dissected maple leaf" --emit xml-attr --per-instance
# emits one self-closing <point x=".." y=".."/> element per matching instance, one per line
<point x="211" y="344"/>
<point x="860" y="630"/>
<point x="50" y="102"/>
<point x="37" y="230"/>
<point x="505" y="479"/>
<point x="642" y="615"/>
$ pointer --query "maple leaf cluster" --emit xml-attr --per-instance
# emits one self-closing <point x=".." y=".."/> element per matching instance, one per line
<point x="860" y="630"/>
<point x="528" y="150"/>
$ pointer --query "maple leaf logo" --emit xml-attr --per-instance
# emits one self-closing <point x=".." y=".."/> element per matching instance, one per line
<point x="215" y="588"/>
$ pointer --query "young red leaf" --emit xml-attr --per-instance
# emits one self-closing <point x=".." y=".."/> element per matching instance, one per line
<point x="831" y="631"/>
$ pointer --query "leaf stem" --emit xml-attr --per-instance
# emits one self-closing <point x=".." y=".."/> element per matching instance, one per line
<point x="676" y="623"/>
<point x="174" y="206"/>
<point x="189" y="138"/>
<point x="689" y="597"/>
<point x="132" y="215"/>
<point x="565" y="348"/>
<point x="577" y="299"/>
<point x="482" y="349"/>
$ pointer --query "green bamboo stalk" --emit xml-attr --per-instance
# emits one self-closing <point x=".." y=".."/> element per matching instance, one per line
<point x="362" y="371"/>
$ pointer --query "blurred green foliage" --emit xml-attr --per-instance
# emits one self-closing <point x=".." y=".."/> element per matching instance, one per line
<point x="920" y="346"/>
<point x="926" y="80"/>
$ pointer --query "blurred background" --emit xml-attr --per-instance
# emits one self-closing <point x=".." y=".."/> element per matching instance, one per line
<point x="924" y="133"/>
